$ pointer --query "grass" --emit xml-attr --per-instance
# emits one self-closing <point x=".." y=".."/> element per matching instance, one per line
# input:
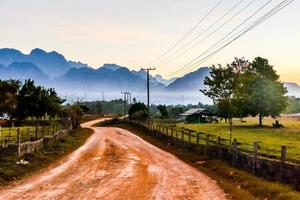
<point x="10" y="171"/>
<point x="236" y="183"/>
<point x="270" y="139"/>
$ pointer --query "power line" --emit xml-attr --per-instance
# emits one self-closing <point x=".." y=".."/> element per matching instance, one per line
<point x="188" y="33"/>
<point x="266" y="16"/>
<point x="209" y="35"/>
<point x="204" y="31"/>
<point x="241" y="24"/>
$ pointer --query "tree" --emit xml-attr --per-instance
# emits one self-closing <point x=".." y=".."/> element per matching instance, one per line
<point x="175" y="111"/>
<point x="221" y="87"/>
<point x="163" y="111"/>
<point x="138" y="111"/>
<point x="28" y="100"/>
<point x="266" y="95"/>
<point x="99" y="108"/>
<point x="293" y="105"/>
<point x="8" y="96"/>
<point x="36" y="101"/>
<point x="73" y="114"/>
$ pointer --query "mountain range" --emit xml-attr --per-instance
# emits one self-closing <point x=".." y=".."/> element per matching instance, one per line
<point x="52" y="69"/>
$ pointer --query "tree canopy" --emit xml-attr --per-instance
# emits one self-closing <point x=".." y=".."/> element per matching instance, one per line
<point x="245" y="88"/>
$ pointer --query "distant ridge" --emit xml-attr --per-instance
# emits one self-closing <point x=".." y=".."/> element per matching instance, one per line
<point x="52" y="69"/>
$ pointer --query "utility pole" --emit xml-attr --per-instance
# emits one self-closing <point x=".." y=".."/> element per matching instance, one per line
<point x="125" y="102"/>
<point x="128" y="100"/>
<point x="148" y="88"/>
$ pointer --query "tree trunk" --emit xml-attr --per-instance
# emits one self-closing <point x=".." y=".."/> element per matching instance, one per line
<point x="260" y="119"/>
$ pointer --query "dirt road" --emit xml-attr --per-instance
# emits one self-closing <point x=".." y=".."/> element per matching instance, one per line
<point x="116" y="164"/>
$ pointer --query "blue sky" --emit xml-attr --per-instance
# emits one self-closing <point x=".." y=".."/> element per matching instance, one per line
<point x="134" y="32"/>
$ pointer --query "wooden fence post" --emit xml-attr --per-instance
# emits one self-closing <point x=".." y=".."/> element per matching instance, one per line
<point x="19" y="142"/>
<point x="0" y="135"/>
<point x="182" y="136"/>
<point x="198" y="137"/>
<point x="189" y="134"/>
<point x="207" y="144"/>
<point x="172" y="132"/>
<point x="255" y="148"/>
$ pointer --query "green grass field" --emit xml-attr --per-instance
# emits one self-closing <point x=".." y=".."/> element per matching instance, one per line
<point x="26" y="132"/>
<point x="270" y="139"/>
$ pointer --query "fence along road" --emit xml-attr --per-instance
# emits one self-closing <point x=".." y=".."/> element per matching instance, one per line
<point x="116" y="164"/>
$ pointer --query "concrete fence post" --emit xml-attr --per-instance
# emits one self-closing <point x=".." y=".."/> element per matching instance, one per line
<point x="283" y="154"/>
<point x="36" y="132"/>
<point x="9" y="134"/>
<point x="207" y="144"/>
<point x="19" y="142"/>
<point x="219" y="141"/>
<point x="255" y="148"/>
<point x="28" y="134"/>
<point x="43" y="129"/>
<point x="234" y="151"/>
<point x="219" y="146"/>
<point x="53" y="129"/>
<point x="283" y="160"/>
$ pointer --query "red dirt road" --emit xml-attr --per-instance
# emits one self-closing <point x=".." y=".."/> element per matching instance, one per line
<point x="115" y="164"/>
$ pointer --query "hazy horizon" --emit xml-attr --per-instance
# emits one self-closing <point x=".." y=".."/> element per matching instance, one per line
<point x="133" y="33"/>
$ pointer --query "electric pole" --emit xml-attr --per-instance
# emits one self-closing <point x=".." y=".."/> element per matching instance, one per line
<point x="125" y="102"/>
<point x="148" y="88"/>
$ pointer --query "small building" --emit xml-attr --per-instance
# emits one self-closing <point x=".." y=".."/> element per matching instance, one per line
<point x="198" y="115"/>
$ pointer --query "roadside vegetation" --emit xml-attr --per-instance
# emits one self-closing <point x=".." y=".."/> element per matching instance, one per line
<point x="270" y="139"/>
<point x="236" y="183"/>
<point x="10" y="171"/>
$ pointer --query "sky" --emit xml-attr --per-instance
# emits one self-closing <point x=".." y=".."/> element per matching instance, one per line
<point x="133" y="33"/>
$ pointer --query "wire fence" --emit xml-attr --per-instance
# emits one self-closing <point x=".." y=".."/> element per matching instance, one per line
<point x="12" y="135"/>
<point x="256" y="148"/>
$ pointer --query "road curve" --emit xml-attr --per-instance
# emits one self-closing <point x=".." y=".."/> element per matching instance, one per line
<point x="115" y="164"/>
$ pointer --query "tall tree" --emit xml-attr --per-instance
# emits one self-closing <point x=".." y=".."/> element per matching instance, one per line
<point x="221" y="87"/>
<point x="266" y="94"/>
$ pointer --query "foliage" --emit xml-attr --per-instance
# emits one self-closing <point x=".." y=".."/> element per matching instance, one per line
<point x="36" y="101"/>
<point x="8" y="93"/>
<point x="28" y="100"/>
<point x="242" y="89"/>
<point x="73" y="114"/>
<point x="138" y="111"/>
<point x="294" y="105"/>
<point x="105" y="107"/>
<point x="163" y="111"/>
